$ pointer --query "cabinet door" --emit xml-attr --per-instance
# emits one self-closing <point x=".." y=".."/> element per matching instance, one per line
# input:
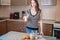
<point x="58" y="11"/>
<point x="12" y="26"/>
<point x="16" y="26"/>
<point x="22" y="27"/>
<point x="47" y="29"/>
<point x="5" y="2"/>
<point x="2" y="27"/>
<point x="18" y="2"/>
<point x="0" y="2"/>
<point x="28" y="2"/>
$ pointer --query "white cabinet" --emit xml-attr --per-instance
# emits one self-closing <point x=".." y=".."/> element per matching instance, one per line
<point x="5" y="2"/>
<point x="48" y="2"/>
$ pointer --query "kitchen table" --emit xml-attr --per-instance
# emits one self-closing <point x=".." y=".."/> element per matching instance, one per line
<point x="12" y="35"/>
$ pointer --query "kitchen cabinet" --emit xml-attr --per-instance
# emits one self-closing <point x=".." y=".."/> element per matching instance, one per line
<point x="58" y="11"/>
<point x="28" y="2"/>
<point x="15" y="2"/>
<point x="0" y="2"/>
<point x="48" y="2"/>
<point x="2" y="27"/>
<point x="47" y="29"/>
<point x="18" y="2"/>
<point x="16" y="26"/>
<point x="5" y="2"/>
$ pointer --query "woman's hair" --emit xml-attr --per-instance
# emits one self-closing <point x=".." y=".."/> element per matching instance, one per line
<point x="37" y="4"/>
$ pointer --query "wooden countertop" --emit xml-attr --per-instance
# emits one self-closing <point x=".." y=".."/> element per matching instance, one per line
<point x="2" y="20"/>
<point x="15" y="20"/>
<point x="44" y="21"/>
<point x="49" y="21"/>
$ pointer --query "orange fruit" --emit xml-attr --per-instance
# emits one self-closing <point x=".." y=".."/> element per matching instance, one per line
<point x="26" y="37"/>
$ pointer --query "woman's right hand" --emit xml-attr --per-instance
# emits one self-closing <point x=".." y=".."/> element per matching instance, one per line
<point x="25" y="18"/>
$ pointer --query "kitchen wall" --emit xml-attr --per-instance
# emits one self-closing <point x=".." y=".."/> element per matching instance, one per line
<point x="48" y="11"/>
<point x="6" y="10"/>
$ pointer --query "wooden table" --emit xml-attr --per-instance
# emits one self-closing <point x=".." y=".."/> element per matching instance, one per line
<point x="12" y="35"/>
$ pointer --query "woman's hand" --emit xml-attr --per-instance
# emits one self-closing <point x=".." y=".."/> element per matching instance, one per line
<point x="25" y="18"/>
<point x="41" y="33"/>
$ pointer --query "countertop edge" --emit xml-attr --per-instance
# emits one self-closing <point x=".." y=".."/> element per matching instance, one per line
<point x="44" y="21"/>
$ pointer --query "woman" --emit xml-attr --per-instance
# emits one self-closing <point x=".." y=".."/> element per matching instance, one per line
<point x="34" y="15"/>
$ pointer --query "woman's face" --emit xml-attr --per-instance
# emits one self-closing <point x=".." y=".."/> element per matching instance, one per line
<point x="33" y="3"/>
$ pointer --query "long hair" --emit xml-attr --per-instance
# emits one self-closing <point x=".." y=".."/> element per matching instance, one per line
<point x="37" y="4"/>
